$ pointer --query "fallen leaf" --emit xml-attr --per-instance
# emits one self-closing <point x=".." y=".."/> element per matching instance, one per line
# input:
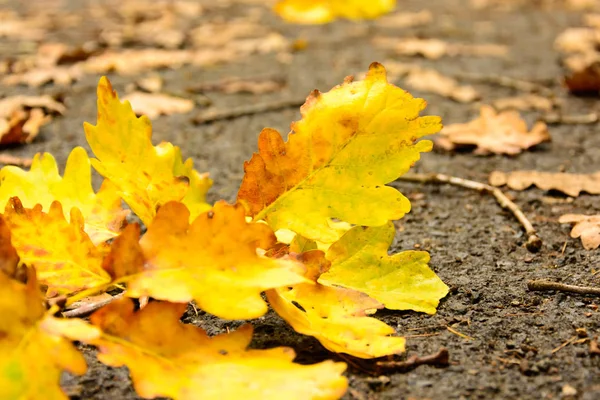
<point x="406" y="19"/>
<point x="146" y="176"/>
<point x="155" y="104"/>
<point x="434" y="49"/>
<point x="492" y="132"/>
<point x="9" y="258"/>
<point x="429" y="80"/>
<point x="21" y="117"/>
<point x="60" y="75"/>
<point x="151" y="83"/>
<point x="181" y="362"/>
<point x="62" y="253"/>
<point x="214" y="255"/>
<point x="324" y="11"/>
<point x="403" y="281"/>
<point x="570" y="184"/>
<point x="586" y="226"/>
<point x="525" y="102"/>
<point x="36" y="347"/>
<point x="350" y="143"/>
<point x="42" y="184"/>
<point x="334" y="316"/>
<point x="15" y="26"/>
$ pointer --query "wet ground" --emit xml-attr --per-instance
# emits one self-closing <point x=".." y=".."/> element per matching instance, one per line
<point x="510" y="347"/>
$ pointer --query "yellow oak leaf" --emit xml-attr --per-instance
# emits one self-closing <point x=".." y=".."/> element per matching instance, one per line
<point x="324" y="11"/>
<point x="35" y="347"/>
<point x="61" y="251"/>
<point x="334" y="316"/>
<point x="350" y="143"/>
<point x="181" y="362"/>
<point x="146" y="176"/>
<point x="42" y="184"/>
<point x="213" y="261"/>
<point x="403" y="281"/>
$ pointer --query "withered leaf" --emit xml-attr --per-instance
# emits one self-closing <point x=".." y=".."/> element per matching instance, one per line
<point x="22" y="116"/>
<point x="586" y="226"/>
<point x="492" y="132"/>
<point x="155" y="104"/>
<point x="570" y="184"/>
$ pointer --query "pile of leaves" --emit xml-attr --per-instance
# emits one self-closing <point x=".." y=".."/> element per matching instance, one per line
<point x="311" y="227"/>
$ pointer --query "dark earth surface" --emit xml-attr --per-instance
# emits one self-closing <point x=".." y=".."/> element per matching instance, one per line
<point x="476" y="247"/>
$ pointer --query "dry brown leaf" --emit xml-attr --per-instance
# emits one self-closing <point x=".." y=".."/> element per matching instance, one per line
<point x="492" y="132"/>
<point x="151" y="83"/>
<point x="15" y="26"/>
<point x="525" y="102"/>
<point x="406" y="19"/>
<point x="22" y="116"/>
<point x="586" y="226"/>
<point x="222" y="34"/>
<point x="570" y="184"/>
<point x="155" y="104"/>
<point x="429" y="80"/>
<point x="435" y="48"/>
<point x="60" y="75"/>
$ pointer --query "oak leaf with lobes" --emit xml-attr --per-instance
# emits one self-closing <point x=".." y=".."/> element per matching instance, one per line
<point x="492" y="132"/>
<point x="350" y="142"/>
<point x="42" y="184"/>
<point x="402" y="281"/>
<point x="36" y="347"/>
<point x="181" y="362"/>
<point x="324" y="11"/>
<point x="213" y="261"/>
<point x="64" y="256"/>
<point x="146" y="176"/>
<point x="337" y="317"/>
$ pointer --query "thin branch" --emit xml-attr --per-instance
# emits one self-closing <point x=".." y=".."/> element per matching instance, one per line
<point x="505" y="81"/>
<point x="543" y="285"/>
<point x="441" y="359"/>
<point x="534" y="243"/>
<point x="250" y="109"/>
<point x="88" y="308"/>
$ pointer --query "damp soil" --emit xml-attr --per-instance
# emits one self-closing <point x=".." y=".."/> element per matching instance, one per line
<point x="509" y="347"/>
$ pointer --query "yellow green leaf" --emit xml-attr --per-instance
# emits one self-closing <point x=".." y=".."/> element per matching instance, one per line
<point x="35" y="347"/>
<point x="42" y="184"/>
<point x="334" y="316"/>
<point x="350" y="142"/>
<point x="213" y="261"/>
<point x="146" y="176"/>
<point x="324" y="11"/>
<point x="403" y="281"/>
<point x="61" y="251"/>
<point x="181" y="362"/>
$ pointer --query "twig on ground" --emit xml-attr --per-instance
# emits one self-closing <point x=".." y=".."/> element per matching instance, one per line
<point x="457" y="333"/>
<point x="88" y="308"/>
<point x="542" y="285"/>
<point x="565" y="344"/>
<point x="534" y="243"/>
<point x="7" y="159"/>
<point x="441" y="359"/>
<point x="251" y="109"/>
<point x="505" y="81"/>
<point x="577" y="119"/>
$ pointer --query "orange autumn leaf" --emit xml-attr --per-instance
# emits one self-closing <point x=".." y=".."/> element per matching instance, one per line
<point x="587" y="227"/>
<point x="146" y="176"/>
<point x="61" y="251"/>
<point x="499" y="133"/>
<point x="324" y="11"/>
<point x="42" y="184"/>
<point x="36" y="347"/>
<point x="334" y="316"/>
<point x="213" y="261"/>
<point x="181" y="362"/>
<point x="350" y="143"/>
